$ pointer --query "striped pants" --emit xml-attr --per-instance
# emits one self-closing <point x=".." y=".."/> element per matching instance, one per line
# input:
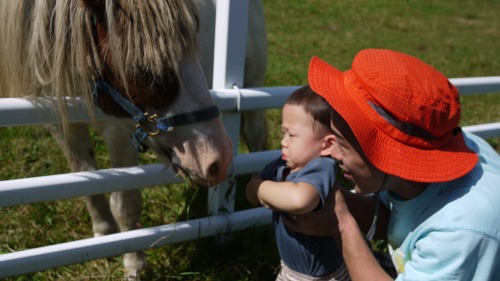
<point x="286" y="274"/>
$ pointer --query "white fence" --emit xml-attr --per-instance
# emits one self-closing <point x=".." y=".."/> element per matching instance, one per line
<point x="30" y="190"/>
<point x="18" y="112"/>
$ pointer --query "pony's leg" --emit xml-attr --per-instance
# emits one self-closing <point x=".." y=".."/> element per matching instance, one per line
<point x="254" y="130"/>
<point x="125" y="205"/>
<point x="77" y="147"/>
<point x="254" y="126"/>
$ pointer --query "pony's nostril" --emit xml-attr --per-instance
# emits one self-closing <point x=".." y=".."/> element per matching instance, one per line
<point x="175" y="168"/>
<point x="214" y="170"/>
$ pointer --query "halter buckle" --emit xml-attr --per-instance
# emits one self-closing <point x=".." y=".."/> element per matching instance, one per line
<point x="152" y="129"/>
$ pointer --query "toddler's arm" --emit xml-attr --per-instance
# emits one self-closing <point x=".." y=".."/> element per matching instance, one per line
<point x="296" y="198"/>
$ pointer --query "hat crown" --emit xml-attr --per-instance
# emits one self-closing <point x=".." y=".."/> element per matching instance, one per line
<point x="408" y="89"/>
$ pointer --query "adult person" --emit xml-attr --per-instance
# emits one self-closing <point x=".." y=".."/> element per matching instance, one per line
<point x="299" y="182"/>
<point x="396" y="122"/>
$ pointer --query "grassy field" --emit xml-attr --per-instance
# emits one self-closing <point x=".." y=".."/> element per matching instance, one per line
<point x="460" y="38"/>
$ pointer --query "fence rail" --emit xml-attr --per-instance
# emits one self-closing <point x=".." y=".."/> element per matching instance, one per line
<point x="21" y="112"/>
<point x="116" y="244"/>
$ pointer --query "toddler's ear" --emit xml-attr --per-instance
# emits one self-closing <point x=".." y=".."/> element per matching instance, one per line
<point x="328" y="142"/>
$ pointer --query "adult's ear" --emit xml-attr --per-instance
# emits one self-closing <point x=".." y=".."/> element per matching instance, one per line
<point x="328" y="142"/>
<point x="97" y="8"/>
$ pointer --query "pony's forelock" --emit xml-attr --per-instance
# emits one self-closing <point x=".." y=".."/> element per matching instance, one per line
<point x="51" y="44"/>
<point x="149" y="36"/>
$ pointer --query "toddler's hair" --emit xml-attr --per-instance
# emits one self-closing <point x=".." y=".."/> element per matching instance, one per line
<point x="313" y="104"/>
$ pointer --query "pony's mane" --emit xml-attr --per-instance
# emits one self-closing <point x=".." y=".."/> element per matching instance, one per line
<point x="49" y="47"/>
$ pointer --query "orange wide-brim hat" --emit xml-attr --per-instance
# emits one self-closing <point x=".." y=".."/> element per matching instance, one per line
<point x="403" y="112"/>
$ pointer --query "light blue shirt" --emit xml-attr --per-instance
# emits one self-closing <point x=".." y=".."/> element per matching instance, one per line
<point x="452" y="230"/>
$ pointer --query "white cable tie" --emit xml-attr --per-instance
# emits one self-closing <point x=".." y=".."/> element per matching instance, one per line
<point x="238" y="100"/>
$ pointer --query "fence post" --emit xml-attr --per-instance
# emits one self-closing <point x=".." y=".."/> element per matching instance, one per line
<point x="229" y="59"/>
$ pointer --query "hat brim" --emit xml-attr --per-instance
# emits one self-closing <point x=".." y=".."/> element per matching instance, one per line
<point x="448" y="162"/>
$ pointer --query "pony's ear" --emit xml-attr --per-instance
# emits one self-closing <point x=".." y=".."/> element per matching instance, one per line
<point x="97" y="8"/>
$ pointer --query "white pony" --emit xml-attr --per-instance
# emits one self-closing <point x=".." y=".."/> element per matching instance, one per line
<point x="137" y="59"/>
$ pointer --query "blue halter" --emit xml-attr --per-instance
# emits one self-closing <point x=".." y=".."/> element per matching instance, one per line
<point x="144" y="119"/>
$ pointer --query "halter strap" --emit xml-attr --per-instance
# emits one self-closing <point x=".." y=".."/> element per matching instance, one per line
<point x="143" y="118"/>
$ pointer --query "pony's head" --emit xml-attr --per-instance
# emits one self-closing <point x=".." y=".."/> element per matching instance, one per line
<point x="146" y="51"/>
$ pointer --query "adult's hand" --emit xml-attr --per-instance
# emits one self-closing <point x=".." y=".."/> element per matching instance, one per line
<point x="342" y="214"/>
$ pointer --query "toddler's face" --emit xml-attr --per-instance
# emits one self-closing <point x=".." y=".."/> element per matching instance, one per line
<point x="300" y="143"/>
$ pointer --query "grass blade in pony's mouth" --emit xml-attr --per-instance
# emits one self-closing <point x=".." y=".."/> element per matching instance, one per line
<point x="178" y="170"/>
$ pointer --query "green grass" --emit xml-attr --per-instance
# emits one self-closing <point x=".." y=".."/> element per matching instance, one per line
<point x="460" y="38"/>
